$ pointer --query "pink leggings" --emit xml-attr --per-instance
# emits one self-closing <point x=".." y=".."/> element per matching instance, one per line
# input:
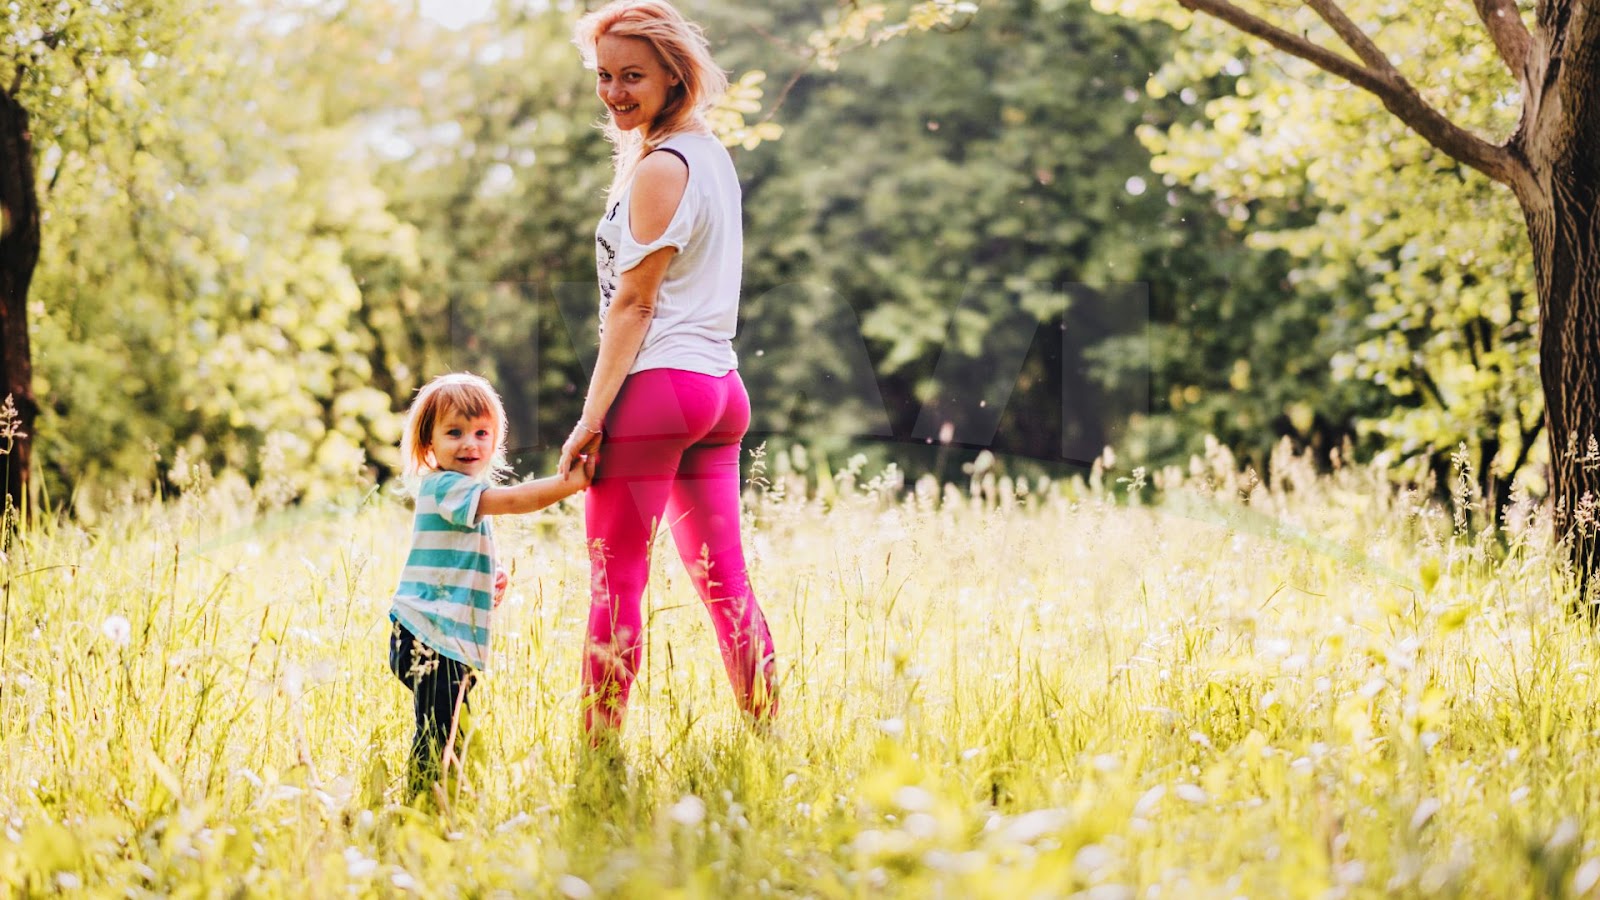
<point x="671" y="449"/>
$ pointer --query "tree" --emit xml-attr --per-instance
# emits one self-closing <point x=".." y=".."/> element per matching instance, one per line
<point x="60" y="65"/>
<point x="1004" y="154"/>
<point x="503" y="174"/>
<point x="1427" y="305"/>
<point x="19" y="253"/>
<point x="1549" y="74"/>
<point x="195" y="306"/>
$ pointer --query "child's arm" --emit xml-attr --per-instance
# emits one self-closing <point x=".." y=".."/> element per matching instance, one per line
<point x="532" y="496"/>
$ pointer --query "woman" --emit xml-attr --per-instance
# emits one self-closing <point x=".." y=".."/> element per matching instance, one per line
<point x="666" y="409"/>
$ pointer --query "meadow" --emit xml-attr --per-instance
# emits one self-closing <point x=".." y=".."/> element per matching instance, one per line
<point x="1314" y="686"/>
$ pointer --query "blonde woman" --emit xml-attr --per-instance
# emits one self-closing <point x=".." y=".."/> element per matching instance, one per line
<point x="665" y="410"/>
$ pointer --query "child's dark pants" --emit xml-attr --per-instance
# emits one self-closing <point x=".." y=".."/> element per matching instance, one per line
<point x="436" y="682"/>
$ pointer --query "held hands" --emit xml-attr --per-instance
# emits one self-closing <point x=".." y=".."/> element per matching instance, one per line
<point x="501" y="580"/>
<point x="532" y="496"/>
<point x="580" y="474"/>
<point x="580" y="453"/>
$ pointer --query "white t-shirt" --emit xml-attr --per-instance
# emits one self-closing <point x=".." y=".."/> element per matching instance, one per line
<point x="697" y="307"/>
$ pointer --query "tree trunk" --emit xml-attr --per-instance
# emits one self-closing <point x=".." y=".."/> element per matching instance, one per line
<point x="1567" y="267"/>
<point x="1560" y="197"/>
<point x="19" y="252"/>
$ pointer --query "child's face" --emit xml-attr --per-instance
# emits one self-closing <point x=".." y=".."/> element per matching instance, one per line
<point x="464" y="445"/>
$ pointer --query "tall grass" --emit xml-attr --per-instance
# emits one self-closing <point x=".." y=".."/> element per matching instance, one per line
<point x="1311" y="687"/>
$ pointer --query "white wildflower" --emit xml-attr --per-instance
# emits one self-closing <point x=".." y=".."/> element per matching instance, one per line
<point x="913" y="799"/>
<point x="117" y="630"/>
<point x="689" y="811"/>
<point x="1149" y="801"/>
<point x="357" y="865"/>
<point x="1091" y="858"/>
<point x="573" y="887"/>
<point x="1031" y="826"/>
<point x="1425" y="812"/>
<point x="1587" y="876"/>
<point x="921" y="826"/>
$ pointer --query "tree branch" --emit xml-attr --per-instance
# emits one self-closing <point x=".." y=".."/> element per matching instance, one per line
<point x="1293" y="44"/>
<point x="784" y="94"/>
<point x="1353" y="37"/>
<point x="1508" y="32"/>
<point x="1397" y="94"/>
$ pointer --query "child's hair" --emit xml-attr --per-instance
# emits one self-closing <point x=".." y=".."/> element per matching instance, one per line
<point x="684" y="52"/>
<point x="460" y="392"/>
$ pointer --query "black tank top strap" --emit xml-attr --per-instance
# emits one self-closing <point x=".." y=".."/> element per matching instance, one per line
<point x="673" y="152"/>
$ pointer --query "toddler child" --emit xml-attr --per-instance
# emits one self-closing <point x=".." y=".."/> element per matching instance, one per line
<point x="453" y="452"/>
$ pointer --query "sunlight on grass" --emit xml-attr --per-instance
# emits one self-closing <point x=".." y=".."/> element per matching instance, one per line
<point x="1317" y="687"/>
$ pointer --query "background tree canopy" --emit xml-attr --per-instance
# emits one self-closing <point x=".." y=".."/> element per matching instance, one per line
<point x="265" y="231"/>
<point x="1437" y="249"/>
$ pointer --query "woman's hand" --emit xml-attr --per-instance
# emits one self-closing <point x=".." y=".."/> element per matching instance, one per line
<point x="582" y="447"/>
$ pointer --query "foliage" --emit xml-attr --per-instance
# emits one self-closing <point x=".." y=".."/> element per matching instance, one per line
<point x="940" y="197"/>
<point x="266" y="224"/>
<point x="274" y="271"/>
<point x="1003" y="690"/>
<point x="1450" y="307"/>
<point x="195" y="301"/>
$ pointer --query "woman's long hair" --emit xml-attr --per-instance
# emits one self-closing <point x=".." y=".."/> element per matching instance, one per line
<point x="684" y="53"/>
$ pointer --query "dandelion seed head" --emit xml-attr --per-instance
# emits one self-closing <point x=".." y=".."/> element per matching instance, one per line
<point x="1587" y="876"/>
<point x="574" y="888"/>
<point x="921" y="826"/>
<point x="913" y="799"/>
<point x="117" y="630"/>
<point x="1032" y="826"/>
<point x="1091" y="858"/>
<point x="689" y="811"/>
<point x="357" y="865"/>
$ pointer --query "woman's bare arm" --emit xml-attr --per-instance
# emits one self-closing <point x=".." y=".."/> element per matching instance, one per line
<point x="658" y="187"/>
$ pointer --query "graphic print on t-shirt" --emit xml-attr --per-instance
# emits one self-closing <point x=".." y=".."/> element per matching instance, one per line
<point x="606" y="257"/>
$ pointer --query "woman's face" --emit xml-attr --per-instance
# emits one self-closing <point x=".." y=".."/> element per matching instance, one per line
<point x="631" y="81"/>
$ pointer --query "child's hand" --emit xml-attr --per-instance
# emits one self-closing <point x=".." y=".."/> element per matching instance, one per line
<point x="501" y="581"/>
<point x="582" y="475"/>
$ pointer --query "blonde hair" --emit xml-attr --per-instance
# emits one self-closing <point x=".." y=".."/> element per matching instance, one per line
<point x="459" y="392"/>
<point x="684" y="53"/>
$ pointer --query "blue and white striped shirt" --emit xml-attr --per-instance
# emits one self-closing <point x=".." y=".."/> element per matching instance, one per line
<point x="446" y="591"/>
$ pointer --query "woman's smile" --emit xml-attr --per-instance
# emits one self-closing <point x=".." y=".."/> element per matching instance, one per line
<point x="631" y="80"/>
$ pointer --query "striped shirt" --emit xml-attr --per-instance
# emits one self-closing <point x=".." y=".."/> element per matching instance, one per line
<point x="446" y="591"/>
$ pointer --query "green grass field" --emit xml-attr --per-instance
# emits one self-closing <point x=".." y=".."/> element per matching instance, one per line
<point x="1318" y="687"/>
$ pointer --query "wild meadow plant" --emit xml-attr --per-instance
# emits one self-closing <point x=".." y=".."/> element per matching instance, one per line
<point x="1304" y="686"/>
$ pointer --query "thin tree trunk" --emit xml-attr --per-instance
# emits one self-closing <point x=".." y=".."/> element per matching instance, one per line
<point x="19" y="253"/>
